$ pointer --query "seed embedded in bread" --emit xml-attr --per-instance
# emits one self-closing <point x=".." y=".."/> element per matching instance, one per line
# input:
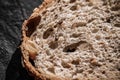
<point x="76" y="40"/>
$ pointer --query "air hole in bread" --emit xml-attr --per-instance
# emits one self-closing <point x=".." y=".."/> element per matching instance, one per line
<point x="90" y="20"/>
<point x="98" y="37"/>
<point x="75" y="35"/>
<point x="52" y="10"/>
<point x="40" y="26"/>
<point x="78" y="24"/>
<point x="32" y="24"/>
<point x="118" y="66"/>
<point x="56" y="16"/>
<point x="65" y="65"/>
<point x="60" y="8"/>
<point x="90" y="71"/>
<point x="74" y="8"/>
<point x="71" y="47"/>
<point x="103" y="72"/>
<point x="94" y="62"/>
<point x="47" y="79"/>
<point x="76" y="79"/>
<point x="117" y="24"/>
<point x="58" y="24"/>
<point x="44" y="12"/>
<point x="32" y="62"/>
<point x="108" y="19"/>
<point x="115" y="8"/>
<point x="76" y="61"/>
<point x="79" y="70"/>
<point x="58" y="1"/>
<point x="60" y="34"/>
<point x="47" y="33"/>
<point x="44" y="18"/>
<point x="95" y="30"/>
<point x="72" y="1"/>
<point x="52" y="69"/>
<point x="53" y="44"/>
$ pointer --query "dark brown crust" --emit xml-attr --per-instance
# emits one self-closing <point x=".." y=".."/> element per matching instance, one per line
<point x="25" y="37"/>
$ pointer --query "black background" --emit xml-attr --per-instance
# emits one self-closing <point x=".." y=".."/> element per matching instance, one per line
<point x="12" y="15"/>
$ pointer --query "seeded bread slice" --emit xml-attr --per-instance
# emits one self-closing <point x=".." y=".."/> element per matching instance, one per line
<point x="73" y="40"/>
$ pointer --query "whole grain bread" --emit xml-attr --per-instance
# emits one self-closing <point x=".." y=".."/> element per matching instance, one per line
<point x="73" y="40"/>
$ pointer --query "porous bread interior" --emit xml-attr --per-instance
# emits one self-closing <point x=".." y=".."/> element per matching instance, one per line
<point x="79" y="40"/>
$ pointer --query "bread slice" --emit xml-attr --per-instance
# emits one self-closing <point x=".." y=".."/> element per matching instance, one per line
<point x="73" y="40"/>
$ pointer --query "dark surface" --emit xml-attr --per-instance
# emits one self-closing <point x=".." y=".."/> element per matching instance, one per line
<point x="15" y="70"/>
<point x="12" y="15"/>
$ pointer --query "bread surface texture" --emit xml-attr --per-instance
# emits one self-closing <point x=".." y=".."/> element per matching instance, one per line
<point x="73" y="40"/>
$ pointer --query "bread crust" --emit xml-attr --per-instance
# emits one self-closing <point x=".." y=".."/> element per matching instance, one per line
<point x="25" y="53"/>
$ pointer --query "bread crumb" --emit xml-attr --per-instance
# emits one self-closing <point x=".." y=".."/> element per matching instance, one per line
<point x="79" y="39"/>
